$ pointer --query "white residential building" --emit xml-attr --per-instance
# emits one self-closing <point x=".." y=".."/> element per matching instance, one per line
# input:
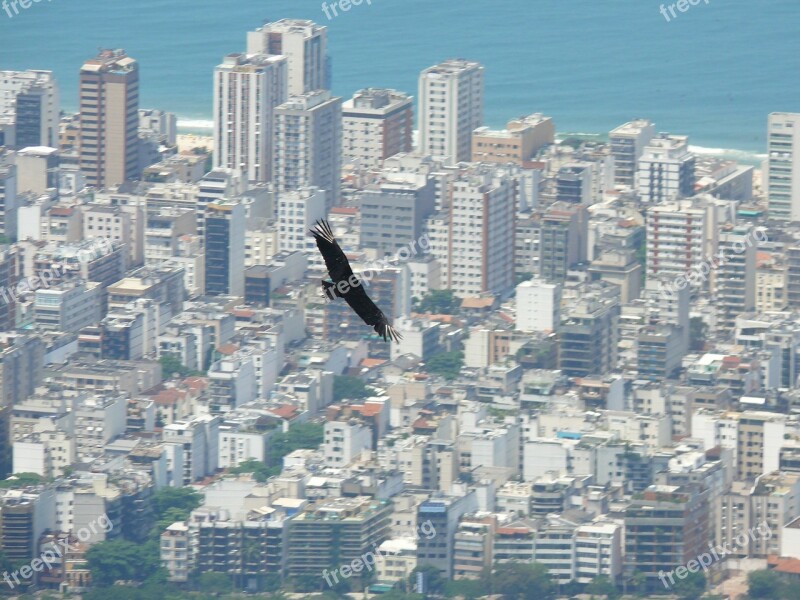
<point x="666" y="170"/>
<point x="247" y="90"/>
<point x="627" y="145"/>
<point x="450" y="109"/>
<point x="308" y="144"/>
<point x="298" y="211"/>
<point x="480" y="254"/>
<point x="305" y="46"/>
<point x="345" y="441"/>
<point x="783" y="166"/>
<point x="538" y="306"/>
<point x="376" y="124"/>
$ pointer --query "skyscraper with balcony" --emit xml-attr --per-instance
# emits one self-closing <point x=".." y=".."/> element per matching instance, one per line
<point x="308" y="144"/>
<point x="783" y="166"/>
<point x="627" y="145"/>
<point x="450" y="108"/>
<point x="377" y="124"/>
<point x="304" y="44"/>
<point x="735" y="280"/>
<point x="109" y="116"/>
<point x="247" y="90"/>
<point x="666" y="170"/>
<point x="480" y="256"/>
<point x="676" y="239"/>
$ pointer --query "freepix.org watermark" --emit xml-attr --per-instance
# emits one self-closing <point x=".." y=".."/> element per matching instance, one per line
<point x="343" y="5"/>
<point x="700" y="272"/>
<point x="681" y="5"/>
<point x="403" y="254"/>
<point x="45" y="277"/>
<point x="8" y="5"/>
<point x="369" y="559"/>
<point x="59" y="549"/>
<point x="715" y="554"/>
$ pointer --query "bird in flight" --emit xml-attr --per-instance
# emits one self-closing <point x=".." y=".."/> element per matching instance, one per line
<point x="345" y="284"/>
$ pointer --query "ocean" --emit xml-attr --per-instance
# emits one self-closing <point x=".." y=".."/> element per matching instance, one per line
<point x="713" y="72"/>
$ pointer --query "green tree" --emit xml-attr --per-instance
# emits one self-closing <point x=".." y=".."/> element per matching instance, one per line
<point x="184" y="499"/>
<point x="439" y="302"/>
<point x="698" y="333"/>
<point x="261" y="472"/>
<point x="20" y="480"/>
<point x="690" y="588"/>
<point x="215" y="583"/>
<point x="523" y="581"/>
<point x="448" y="364"/>
<point x="764" y="584"/>
<point x="351" y="388"/>
<point x="602" y="586"/>
<point x="302" y="436"/>
<point x="171" y="365"/>
<point x="122" y="560"/>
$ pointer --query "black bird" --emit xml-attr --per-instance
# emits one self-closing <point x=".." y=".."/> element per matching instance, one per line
<point x="344" y="279"/>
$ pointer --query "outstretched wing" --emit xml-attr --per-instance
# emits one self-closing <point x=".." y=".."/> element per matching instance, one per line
<point x="369" y="312"/>
<point x="338" y="266"/>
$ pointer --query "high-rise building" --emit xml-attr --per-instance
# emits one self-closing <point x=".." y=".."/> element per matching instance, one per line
<point x="304" y="44"/>
<point x="335" y="532"/>
<point x="247" y="90"/>
<point x="32" y="99"/>
<point x="443" y="514"/>
<point x="376" y="124"/>
<point x="735" y="279"/>
<point x="783" y="166"/>
<point x="8" y="201"/>
<point x="480" y="257"/>
<point x="308" y="144"/>
<point x="109" y="101"/>
<point x="215" y="185"/>
<point x="589" y="335"/>
<point x="450" y="108"/>
<point x="393" y="211"/>
<point x="574" y="183"/>
<point x="676" y="239"/>
<point x="666" y="170"/>
<point x="665" y="527"/>
<point x="627" y="145"/>
<point x="538" y="306"/>
<point x="224" y="243"/>
<point x="298" y="210"/>
<point x="562" y="240"/>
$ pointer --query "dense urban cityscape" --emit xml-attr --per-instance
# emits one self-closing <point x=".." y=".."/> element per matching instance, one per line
<point x="593" y="392"/>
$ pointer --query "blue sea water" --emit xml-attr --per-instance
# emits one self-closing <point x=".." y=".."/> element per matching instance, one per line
<point x="713" y="72"/>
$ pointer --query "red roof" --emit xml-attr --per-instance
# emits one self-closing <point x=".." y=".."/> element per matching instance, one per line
<point x="344" y="210"/>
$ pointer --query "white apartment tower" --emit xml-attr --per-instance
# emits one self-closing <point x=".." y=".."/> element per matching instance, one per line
<point x="628" y="142"/>
<point x="304" y="44"/>
<point x="376" y="124"/>
<point x="308" y="144"/>
<point x="298" y="210"/>
<point x="247" y="88"/>
<point x="481" y="233"/>
<point x="666" y="170"/>
<point x="783" y="166"/>
<point x="450" y="108"/>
